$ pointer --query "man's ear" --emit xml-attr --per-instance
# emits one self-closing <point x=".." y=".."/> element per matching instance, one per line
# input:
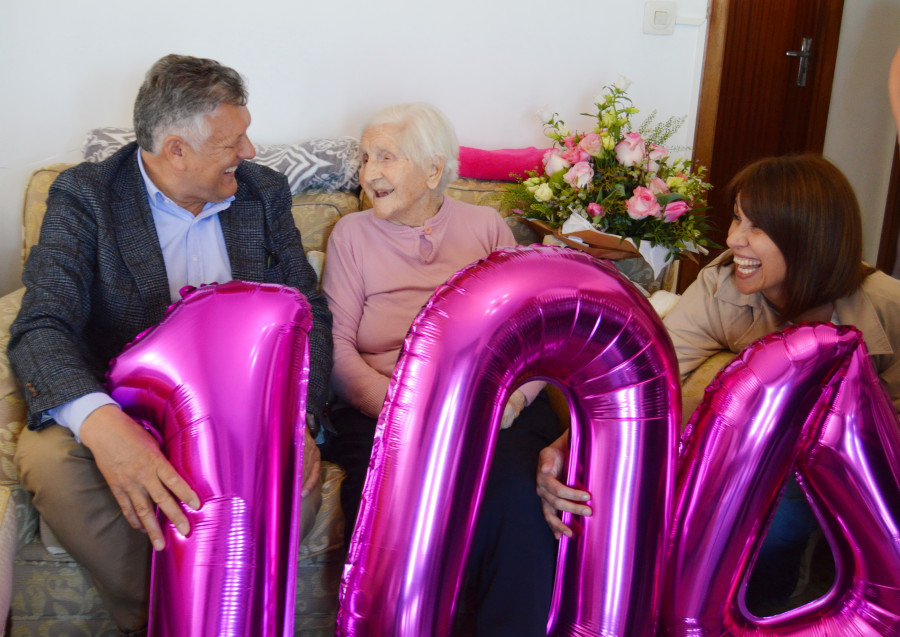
<point x="437" y="170"/>
<point x="173" y="151"/>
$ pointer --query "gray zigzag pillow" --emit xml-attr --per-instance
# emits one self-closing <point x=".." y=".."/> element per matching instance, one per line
<point x="327" y="163"/>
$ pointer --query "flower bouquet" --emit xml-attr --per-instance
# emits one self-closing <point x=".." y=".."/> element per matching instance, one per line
<point x="615" y="192"/>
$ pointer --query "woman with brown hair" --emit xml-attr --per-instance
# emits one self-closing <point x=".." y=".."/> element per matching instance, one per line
<point x="795" y="255"/>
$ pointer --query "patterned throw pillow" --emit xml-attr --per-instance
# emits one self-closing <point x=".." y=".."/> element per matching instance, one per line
<point x="328" y="163"/>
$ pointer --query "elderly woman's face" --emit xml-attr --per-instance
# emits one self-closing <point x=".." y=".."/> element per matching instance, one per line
<point x="400" y="191"/>
<point x="759" y="265"/>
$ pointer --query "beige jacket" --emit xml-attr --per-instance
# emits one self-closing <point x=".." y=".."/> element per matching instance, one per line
<point x="713" y="315"/>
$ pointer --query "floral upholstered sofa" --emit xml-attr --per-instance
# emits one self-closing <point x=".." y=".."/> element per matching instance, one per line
<point x="50" y="593"/>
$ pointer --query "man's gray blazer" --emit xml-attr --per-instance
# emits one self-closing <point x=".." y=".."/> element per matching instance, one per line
<point x="97" y="278"/>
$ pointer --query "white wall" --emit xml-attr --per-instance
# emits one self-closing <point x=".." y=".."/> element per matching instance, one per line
<point x="861" y="130"/>
<point x="318" y="68"/>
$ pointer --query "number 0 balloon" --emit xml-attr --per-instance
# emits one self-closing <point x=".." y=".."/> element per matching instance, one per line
<point x="520" y="314"/>
<point x="222" y="382"/>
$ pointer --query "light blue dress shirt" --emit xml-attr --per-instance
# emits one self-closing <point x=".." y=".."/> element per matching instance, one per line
<point x="194" y="253"/>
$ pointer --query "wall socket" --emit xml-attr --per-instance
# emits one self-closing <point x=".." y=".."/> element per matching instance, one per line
<point x="659" y="17"/>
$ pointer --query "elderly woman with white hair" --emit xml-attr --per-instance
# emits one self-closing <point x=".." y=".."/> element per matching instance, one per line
<point x="383" y="265"/>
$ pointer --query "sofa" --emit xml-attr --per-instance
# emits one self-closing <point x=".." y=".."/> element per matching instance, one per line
<point x="48" y="593"/>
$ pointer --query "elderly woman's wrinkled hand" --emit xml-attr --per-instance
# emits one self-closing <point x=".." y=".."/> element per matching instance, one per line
<point x="556" y="496"/>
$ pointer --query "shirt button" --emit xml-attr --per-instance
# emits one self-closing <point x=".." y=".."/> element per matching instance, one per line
<point x="427" y="229"/>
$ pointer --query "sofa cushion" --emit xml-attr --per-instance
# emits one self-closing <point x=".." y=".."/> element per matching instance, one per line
<point x="315" y="212"/>
<point x="327" y="163"/>
<point x="12" y="421"/>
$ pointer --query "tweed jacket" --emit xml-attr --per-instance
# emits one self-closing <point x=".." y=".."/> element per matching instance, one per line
<point x="97" y="277"/>
<point x="713" y="316"/>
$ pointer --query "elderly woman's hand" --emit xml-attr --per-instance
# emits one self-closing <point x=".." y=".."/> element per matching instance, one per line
<point x="555" y="496"/>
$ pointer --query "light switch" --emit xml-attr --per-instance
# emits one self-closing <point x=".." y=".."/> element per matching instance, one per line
<point x="659" y="17"/>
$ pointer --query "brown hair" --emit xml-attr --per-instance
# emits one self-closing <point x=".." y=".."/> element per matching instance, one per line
<point x="808" y="208"/>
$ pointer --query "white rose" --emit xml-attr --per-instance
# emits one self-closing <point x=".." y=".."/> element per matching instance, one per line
<point x="622" y="83"/>
<point x="543" y="193"/>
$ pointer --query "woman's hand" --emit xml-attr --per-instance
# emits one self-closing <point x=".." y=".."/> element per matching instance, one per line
<point x="555" y="496"/>
<point x="514" y="407"/>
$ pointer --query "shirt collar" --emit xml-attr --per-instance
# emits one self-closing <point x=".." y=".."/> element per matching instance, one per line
<point x="856" y="309"/>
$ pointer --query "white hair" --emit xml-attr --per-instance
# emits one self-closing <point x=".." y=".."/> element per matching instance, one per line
<point x="424" y="133"/>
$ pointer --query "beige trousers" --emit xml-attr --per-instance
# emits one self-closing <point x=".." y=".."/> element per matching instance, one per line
<point x="73" y="499"/>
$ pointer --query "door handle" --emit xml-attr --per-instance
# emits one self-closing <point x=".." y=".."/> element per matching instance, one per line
<point x="804" y="53"/>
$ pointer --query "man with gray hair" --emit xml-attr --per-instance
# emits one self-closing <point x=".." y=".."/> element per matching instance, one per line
<point x="119" y="240"/>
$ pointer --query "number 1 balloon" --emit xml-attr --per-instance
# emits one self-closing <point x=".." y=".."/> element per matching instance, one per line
<point x="809" y="394"/>
<point x="221" y="381"/>
<point x="520" y="314"/>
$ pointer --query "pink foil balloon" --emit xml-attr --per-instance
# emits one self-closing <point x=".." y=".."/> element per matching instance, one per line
<point x="222" y="383"/>
<point x="520" y="314"/>
<point x="809" y="393"/>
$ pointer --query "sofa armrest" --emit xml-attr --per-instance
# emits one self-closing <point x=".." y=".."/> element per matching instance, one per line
<point x="12" y="421"/>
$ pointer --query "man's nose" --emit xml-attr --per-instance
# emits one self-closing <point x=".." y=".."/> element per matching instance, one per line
<point x="247" y="150"/>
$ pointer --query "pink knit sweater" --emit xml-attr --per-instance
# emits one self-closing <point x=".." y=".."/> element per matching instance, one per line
<point x="377" y="277"/>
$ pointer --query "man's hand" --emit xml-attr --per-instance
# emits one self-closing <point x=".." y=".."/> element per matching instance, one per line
<point x="555" y="496"/>
<point x="312" y="464"/>
<point x="137" y="472"/>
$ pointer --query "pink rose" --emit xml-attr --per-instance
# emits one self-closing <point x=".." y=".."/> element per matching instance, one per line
<point x="553" y="163"/>
<point x="674" y="210"/>
<point x="595" y="209"/>
<point x="642" y="204"/>
<point x="657" y="186"/>
<point x="630" y="151"/>
<point x="656" y="153"/>
<point x="574" y="155"/>
<point x="579" y="175"/>
<point x="569" y="142"/>
<point x="592" y="144"/>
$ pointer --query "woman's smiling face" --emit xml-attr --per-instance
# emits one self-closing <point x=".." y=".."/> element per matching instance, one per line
<point x="759" y="265"/>
<point x="400" y="191"/>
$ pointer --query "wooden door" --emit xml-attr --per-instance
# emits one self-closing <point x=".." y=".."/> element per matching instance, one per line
<point x="751" y="103"/>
